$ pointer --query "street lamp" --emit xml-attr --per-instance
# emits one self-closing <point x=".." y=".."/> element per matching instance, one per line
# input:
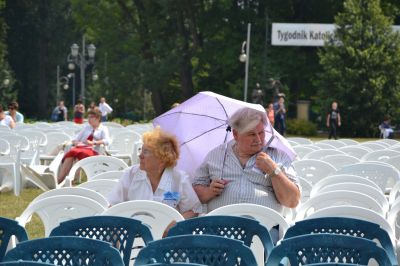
<point x="72" y="76"/>
<point x="245" y="58"/>
<point x="76" y="58"/>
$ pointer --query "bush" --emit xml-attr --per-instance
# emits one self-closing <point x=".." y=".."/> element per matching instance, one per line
<point x="301" y="127"/>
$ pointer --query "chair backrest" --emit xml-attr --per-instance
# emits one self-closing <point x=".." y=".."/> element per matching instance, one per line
<point x="356" y="213"/>
<point x="235" y="227"/>
<point x="123" y="142"/>
<point x="9" y="228"/>
<point x="355" y="150"/>
<point x="113" y="175"/>
<point x="349" y="142"/>
<point x="337" y="198"/>
<point x="119" y="231"/>
<point x="394" y="193"/>
<point x="340" y="160"/>
<point x="112" y="124"/>
<point x="24" y="263"/>
<point x="373" y="192"/>
<point x="94" y="165"/>
<point x="394" y="161"/>
<point x="384" y="175"/>
<point x="157" y="216"/>
<point x="381" y="155"/>
<point x="302" y="151"/>
<point x="344" y="226"/>
<point x="203" y="249"/>
<point x="313" y="170"/>
<point x="335" y="143"/>
<point x="4" y="147"/>
<point x="56" y="209"/>
<point x="34" y="135"/>
<point x="78" y="191"/>
<point x="53" y="140"/>
<point x="101" y="186"/>
<point x="300" y="140"/>
<point x="317" y="248"/>
<point x="66" y="250"/>
<point x="393" y="217"/>
<point x="320" y="154"/>
<point x="306" y="188"/>
<point x="344" y="178"/>
<point x="373" y="145"/>
<point x="266" y="216"/>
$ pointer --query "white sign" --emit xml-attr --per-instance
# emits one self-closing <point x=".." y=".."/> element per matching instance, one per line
<point x="296" y="34"/>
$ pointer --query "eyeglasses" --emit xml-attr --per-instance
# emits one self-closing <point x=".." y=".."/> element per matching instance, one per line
<point x="146" y="152"/>
<point x="11" y="108"/>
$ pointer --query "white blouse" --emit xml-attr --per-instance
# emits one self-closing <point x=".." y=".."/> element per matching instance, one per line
<point x="101" y="133"/>
<point x="6" y="121"/>
<point x="175" y="189"/>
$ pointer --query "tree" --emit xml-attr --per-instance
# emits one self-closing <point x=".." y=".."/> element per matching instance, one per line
<point x="7" y="92"/>
<point x="360" y="69"/>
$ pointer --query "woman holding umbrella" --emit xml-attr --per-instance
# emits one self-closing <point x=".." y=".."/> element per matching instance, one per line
<point x="246" y="169"/>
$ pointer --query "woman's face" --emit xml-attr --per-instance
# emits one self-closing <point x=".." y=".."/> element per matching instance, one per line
<point x="148" y="161"/>
<point x="93" y="120"/>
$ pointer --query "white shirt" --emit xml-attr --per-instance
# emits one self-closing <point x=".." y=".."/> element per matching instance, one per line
<point x="101" y="133"/>
<point x="6" y="121"/>
<point x="135" y="185"/>
<point x="105" y="109"/>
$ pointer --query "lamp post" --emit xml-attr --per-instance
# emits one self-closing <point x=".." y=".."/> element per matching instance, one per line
<point x="72" y="76"/>
<point x="61" y="80"/>
<point x="80" y="59"/>
<point x="245" y="58"/>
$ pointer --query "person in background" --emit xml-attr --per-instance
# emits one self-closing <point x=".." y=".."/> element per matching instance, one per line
<point x="333" y="120"/>
<point x="79" y="111"/>
<point x="156" y="177"/>
<point x="6" y="120"/>
<point x="105" y="109"/>
<point x="280" y="115"/>
<point x="86" y="143"/>
<point x="13" y="112"/>
<point x="270" y="113"/>
<point x="60" y="113"/>
<point x="92" y="106"/>
<point x="386" y="129"/>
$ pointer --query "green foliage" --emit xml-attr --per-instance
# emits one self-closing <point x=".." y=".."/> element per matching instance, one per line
<point x="300" y="127"/>
<point x="362" y="73"/>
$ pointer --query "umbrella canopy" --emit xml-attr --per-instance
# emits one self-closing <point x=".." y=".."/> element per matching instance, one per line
<point x="200" y="125"/>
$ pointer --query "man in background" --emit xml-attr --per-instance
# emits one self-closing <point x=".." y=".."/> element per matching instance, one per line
<point x="105" y="109"/>
<point x="13" y="112"/>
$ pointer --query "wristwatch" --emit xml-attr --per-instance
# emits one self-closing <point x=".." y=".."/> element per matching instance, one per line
<point x="276" y="172"/>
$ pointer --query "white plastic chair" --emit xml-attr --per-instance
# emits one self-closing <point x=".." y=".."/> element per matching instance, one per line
<point x="302" y="151"/>
<point x="94" y="165"/>
<point x="394" y="161"/>
<point x="356" y="151"/>
<point x="320" y="154"/>
<point x="391" y="142"/>
<point x="4" y="147"/>
<point x="123" y="146"/>
<point x="266" y="216"/>
<point x="324" y="146"/>
<point x="77" y="191"/>
<point x="154" y="214"/>
<point x="292" y="143"/>
<point x="113" y="175"/>
<point x="381" y="155"/>
<point x="313" y="170"/>
<point x="375" y="193"/>
<point x="357" y="213"/>
<point x="383" y="174"/>
<point x="340" y="160"/>
<point x="44" y="176"/>
<point x="10" y="174"/>
<point x="373" y="145"/>
<point x="54" y="139"/>
<point x="393" y="217"/>
<point x="101" y="186"/>
<point x="112" y="124"/>
<point x="337" y="198"/>
<point x="394" y="193"/>
<point x="300" y="140"/>
<point x="334" y="143"/>
<point x="336" y="179"/>
<point x="349" y="142"/>
<point x="54" y="210"/>
<point x="306" y="188"/>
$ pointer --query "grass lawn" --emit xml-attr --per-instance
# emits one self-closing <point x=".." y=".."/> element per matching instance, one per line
<point x="12" y="206"/>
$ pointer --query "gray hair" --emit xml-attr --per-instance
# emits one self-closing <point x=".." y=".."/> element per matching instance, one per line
<point x="246" y="119"/>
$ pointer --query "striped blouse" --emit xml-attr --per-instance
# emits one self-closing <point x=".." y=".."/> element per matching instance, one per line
<point x="248" y="184"/>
